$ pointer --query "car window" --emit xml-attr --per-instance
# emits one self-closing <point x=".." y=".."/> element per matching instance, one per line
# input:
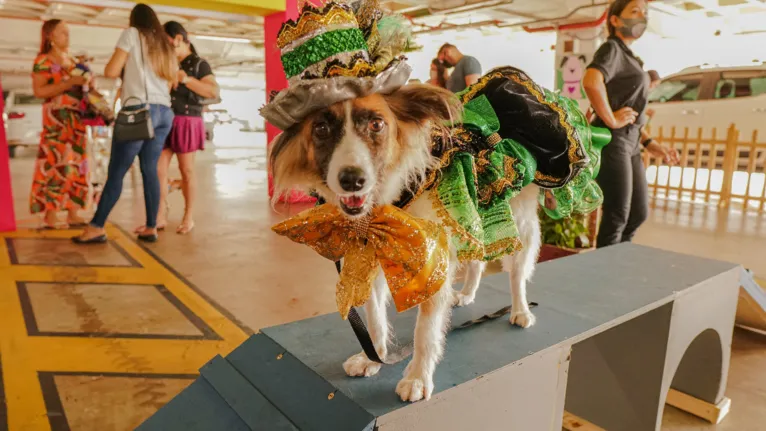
<point x="679" y="89"/>
<point x="27" y="99"/>
<point x="740" y="84"/>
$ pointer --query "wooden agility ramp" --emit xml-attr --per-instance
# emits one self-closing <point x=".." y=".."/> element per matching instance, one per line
<point x="620" y="332"/>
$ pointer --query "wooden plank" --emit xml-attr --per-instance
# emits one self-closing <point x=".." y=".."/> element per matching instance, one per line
<point x="713" y="413"/>
<point x="574" y="423"/>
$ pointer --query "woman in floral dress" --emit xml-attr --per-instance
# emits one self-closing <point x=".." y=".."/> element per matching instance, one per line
<point x="60" y="180"/>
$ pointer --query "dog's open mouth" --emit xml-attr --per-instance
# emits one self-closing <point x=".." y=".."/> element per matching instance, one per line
<point x="353" y="204"/>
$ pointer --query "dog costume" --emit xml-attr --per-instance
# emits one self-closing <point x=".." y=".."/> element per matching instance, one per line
<point x="512" y="133"/>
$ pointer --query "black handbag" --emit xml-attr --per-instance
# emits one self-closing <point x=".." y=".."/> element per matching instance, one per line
<point x="134" y="123"/>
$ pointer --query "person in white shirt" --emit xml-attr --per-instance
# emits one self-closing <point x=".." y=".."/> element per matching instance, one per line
<point x="151" y="70"/>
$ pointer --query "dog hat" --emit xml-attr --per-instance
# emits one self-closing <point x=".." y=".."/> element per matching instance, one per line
<point x="341" y="51"/>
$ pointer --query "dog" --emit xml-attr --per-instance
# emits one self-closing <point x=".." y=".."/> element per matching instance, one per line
<point x="368" y="151"/>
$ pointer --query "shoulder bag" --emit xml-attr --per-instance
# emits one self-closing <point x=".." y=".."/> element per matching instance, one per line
<point x="204" y="100"/>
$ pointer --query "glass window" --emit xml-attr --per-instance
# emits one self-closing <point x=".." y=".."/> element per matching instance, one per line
<point x="740" y="84"/>
<point x="678" y="89"/>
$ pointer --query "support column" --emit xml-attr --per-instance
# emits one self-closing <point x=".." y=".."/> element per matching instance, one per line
<point x="574" y="51"/>
<point x="7" y="215"/>
<point x="276" y="80"/>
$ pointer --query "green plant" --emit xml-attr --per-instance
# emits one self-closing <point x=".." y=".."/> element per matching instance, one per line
<point x="567" y="233"/>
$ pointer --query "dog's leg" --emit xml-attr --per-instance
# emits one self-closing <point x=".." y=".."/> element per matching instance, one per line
<point x="430" y="329"/>
<point x="521" y="265"/>
<point x="473" y="273"/>
<point x="377" y="325"/>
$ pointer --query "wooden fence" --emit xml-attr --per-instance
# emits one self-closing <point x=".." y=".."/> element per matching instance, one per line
<point x="720" y="169"/>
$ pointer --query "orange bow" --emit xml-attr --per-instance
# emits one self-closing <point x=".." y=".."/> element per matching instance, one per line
<point x="413" y="252"/>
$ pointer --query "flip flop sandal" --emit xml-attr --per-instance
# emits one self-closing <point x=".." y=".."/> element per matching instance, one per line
<point x="184" y="228"/>
<point x="101" y="239"/>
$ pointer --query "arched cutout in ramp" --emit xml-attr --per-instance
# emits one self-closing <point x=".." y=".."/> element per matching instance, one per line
<point x="699" y="372"/>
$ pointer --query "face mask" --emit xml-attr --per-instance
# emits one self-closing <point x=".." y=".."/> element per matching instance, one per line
<point x="633" y="27"/>
<point x="434" y="75"/>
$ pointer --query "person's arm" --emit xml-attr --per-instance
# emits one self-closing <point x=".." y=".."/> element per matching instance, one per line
<point x="606" y="63"/>
<point x="206" y="86"/>
<point x="119" y="58"/>
<point x="666" y="154"/>
<point x="42" y="90"/>
<point x="472" y="71"/>
<point x="113" y="69"/>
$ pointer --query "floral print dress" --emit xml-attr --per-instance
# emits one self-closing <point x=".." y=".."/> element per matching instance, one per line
<point x="60" y="177"/>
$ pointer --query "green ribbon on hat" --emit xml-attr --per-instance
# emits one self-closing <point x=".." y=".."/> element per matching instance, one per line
<point x="322" y="47"/>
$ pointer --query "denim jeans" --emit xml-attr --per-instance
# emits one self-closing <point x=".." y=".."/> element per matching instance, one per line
<point x="120" y="161"/>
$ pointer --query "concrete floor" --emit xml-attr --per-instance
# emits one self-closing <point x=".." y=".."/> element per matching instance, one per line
<point x="261" y="280"/>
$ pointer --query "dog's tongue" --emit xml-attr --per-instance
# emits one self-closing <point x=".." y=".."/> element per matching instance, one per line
<point x="353" y="201"/>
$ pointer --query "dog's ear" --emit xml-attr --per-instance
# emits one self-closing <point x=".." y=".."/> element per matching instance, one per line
<point x="564" y="60"/>
<point x="290" y="158"/>
<point x="422" y="104"/>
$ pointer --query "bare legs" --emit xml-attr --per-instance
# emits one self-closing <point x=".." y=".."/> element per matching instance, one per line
<point x="162" y="175"/>
<point x="189" y="188"/>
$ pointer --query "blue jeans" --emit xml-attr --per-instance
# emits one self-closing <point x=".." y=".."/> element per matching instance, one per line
<point x="123" y="154"/>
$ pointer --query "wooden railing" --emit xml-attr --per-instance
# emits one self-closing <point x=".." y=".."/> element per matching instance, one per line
<point x="717" y="169"/>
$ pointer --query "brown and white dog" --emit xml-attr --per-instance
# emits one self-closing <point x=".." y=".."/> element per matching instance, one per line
<point x="365" y="152"/>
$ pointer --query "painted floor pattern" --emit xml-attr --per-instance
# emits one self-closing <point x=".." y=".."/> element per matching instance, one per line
<point x="77" y="353"/>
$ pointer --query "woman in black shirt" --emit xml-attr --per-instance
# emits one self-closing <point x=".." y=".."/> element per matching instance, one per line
<point x="196" y="83"/>
<point x="618" y="89"/>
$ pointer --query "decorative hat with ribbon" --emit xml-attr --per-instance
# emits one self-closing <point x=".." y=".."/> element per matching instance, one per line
<point x="338" y="52"/>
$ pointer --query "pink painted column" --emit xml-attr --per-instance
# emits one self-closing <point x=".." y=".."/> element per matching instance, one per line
<point x="276" y="80"/>
<point x="7" y="216"/>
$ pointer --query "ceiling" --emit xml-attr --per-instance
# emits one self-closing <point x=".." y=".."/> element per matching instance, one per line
<point x="234" y="43"/>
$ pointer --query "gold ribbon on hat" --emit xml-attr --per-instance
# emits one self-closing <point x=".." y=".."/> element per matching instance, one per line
<point x="412" y="252"/>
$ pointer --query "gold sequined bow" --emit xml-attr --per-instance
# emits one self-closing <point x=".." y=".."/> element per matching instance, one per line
<point x="413" y="252"/>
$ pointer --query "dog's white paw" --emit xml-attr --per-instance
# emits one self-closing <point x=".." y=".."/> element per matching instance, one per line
<point x="523" y="318"/>
<point x="462" y="299"/>
<point x="360" y="366"/>
<point x="413" y="388"/>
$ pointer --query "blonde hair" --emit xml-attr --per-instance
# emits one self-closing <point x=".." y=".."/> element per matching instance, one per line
<point x="160" y="51"/>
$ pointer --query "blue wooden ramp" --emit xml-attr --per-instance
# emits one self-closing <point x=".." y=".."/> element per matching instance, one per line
<point x="612" y="329"/>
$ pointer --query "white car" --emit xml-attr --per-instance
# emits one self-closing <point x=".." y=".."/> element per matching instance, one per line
<point x="711" y="97"/>
<point x="23" y="117"/>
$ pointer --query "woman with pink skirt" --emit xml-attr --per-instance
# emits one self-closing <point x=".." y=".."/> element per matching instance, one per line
<point x="196" y="87"/>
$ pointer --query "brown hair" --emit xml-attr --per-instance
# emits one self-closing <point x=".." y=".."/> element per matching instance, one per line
<point x="654" y="75"/>
<point x="161" y="52"/>
<point x="45" y="35"/>
<point x="615" y="9"/>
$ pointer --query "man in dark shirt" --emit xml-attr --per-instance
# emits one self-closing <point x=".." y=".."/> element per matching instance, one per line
<point x="467" y="69"/>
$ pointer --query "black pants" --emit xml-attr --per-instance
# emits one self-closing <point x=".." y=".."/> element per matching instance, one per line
<point x="623" y="180"/>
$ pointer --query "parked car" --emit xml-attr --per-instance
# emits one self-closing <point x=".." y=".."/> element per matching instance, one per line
<point x="709" y="97"/>
<point x="23" y="118"/>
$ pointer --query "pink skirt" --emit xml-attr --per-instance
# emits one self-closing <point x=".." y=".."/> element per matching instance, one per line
<point x="187" y="135"/>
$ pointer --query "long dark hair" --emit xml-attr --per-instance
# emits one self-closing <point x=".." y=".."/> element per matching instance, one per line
<point x="160" y="50"/>
<point x="46" y="33"/>
<point x="615" y="9"/>
<point x="440" y="71"/>
<point x="174" y="28"/>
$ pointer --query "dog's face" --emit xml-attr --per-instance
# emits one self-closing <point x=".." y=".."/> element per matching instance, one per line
<point x="363" y="152"/>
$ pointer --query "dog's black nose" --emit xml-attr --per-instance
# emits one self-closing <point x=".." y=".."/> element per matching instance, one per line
<point x="351" y="179"/>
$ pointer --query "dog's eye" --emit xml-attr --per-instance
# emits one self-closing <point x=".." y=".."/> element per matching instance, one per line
<point x="322" y="130"/>
<point x="377" y="125"/>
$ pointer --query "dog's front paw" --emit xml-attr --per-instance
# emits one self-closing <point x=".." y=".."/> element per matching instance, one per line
<point x="414" y="389"/>
<point x="462" y="299"/>
<point x="523" y="318"/>
<point x="360" y="366"/>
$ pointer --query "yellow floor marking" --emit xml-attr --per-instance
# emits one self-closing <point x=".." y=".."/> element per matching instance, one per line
<point x="23" y="356"/>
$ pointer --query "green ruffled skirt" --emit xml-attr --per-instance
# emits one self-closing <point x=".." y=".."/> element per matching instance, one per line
<point x="513" y="133"/>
